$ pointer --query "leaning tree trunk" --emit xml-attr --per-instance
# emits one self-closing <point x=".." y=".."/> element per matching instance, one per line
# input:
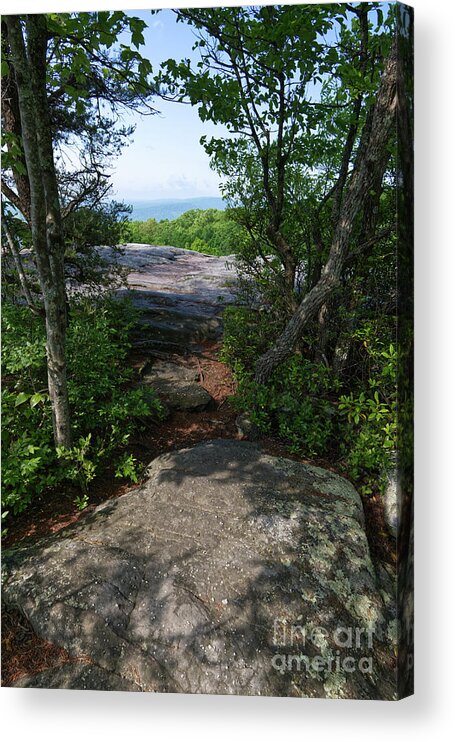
<point x="30" y="72"/>
<point x="368" y="164"/>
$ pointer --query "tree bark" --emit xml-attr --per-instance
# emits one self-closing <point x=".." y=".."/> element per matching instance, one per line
<point x="11" y="123"/>
<point x="367" y="166"/>
<point x="30" y="73"/>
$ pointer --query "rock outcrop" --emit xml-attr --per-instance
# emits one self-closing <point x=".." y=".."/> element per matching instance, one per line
<point x="180" y="293"/>
<point x="228" y="571"/>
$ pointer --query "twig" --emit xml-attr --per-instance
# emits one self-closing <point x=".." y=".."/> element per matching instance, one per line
<point x="201" y="373"/>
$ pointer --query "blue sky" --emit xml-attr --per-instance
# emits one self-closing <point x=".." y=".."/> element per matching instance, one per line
<point x="164" y="158"/>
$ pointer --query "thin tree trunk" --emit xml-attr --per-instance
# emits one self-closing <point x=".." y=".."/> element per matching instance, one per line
<point x="19" y="267"/>
<point x="362" y="14"/>
<point x="288" y="262"/>
<point x="324" y="316"/>
<point x="45" y="210"/>
<point x="365" y="173"/>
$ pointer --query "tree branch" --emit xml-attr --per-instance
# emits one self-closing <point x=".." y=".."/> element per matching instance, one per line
<point x="367" y="169"/>
<point x="16" y="201"/>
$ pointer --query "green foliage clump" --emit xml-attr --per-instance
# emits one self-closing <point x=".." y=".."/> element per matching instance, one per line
<point x="105" y="410"/>
<point x="309" y="406"/>
<point x="26" y="421"/>
<point x="247" y="334"/>
<point x="371" y="413"/>
<point x="86" y="228"/>
<point x="296" y="403"/>
<point x="89" y="226"/>
<point x="209" y="231"/>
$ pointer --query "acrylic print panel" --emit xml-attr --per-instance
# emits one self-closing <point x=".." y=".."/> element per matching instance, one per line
<point x="208" y="488"/>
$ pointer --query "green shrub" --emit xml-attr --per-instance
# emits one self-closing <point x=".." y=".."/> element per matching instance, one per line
<point x="306" y="405"/>
<point x="105" y="410"/>
<point x="371" y="414"/>
<point x="247" y="334"/>
<point x="296" y="404"/>
<point x="85" y="228"/>
<point x="28" y="457"/>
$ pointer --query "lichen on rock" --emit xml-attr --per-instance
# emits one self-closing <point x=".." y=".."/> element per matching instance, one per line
<point x="227" y="571"/>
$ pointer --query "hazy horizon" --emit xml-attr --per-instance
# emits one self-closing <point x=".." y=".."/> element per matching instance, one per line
<point x="170" y="208"/>
<point x="165" y="158"/>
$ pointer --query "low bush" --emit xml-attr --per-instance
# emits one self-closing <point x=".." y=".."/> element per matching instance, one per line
<point x="308" y="406"/>
<point x="105" y="409"/>
<point x="297" y="403"/>
<point x="370" y="413"/>
<point x="247" y="334"/>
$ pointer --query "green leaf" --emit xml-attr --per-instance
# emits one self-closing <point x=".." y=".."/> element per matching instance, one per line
<point x="37" y="398"/>
<point x="21" y="398"/>
<point x="137" y="38"/>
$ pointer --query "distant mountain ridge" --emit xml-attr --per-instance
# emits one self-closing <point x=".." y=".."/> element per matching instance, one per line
<point x="160" y="209"/>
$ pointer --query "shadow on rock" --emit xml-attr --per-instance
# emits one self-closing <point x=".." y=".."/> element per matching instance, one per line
<point x="228" y="571"/>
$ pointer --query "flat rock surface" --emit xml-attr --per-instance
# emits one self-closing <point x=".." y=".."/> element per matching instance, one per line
<point x="228" y="571"/>
<point x="181" y="294"/>
<point x="168" y="371"/>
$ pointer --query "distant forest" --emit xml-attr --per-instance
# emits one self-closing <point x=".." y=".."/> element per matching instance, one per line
<point x="210" y="231"/>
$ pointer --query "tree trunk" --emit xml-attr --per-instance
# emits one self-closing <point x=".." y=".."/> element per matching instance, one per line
<point x="30" y="72"/>
<point x="324" y="316"/>
<point x="14" y="250"/>
<point x="367" y="166"/>
<point x="288" y="262"/>
<point x="11" y="122"/>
